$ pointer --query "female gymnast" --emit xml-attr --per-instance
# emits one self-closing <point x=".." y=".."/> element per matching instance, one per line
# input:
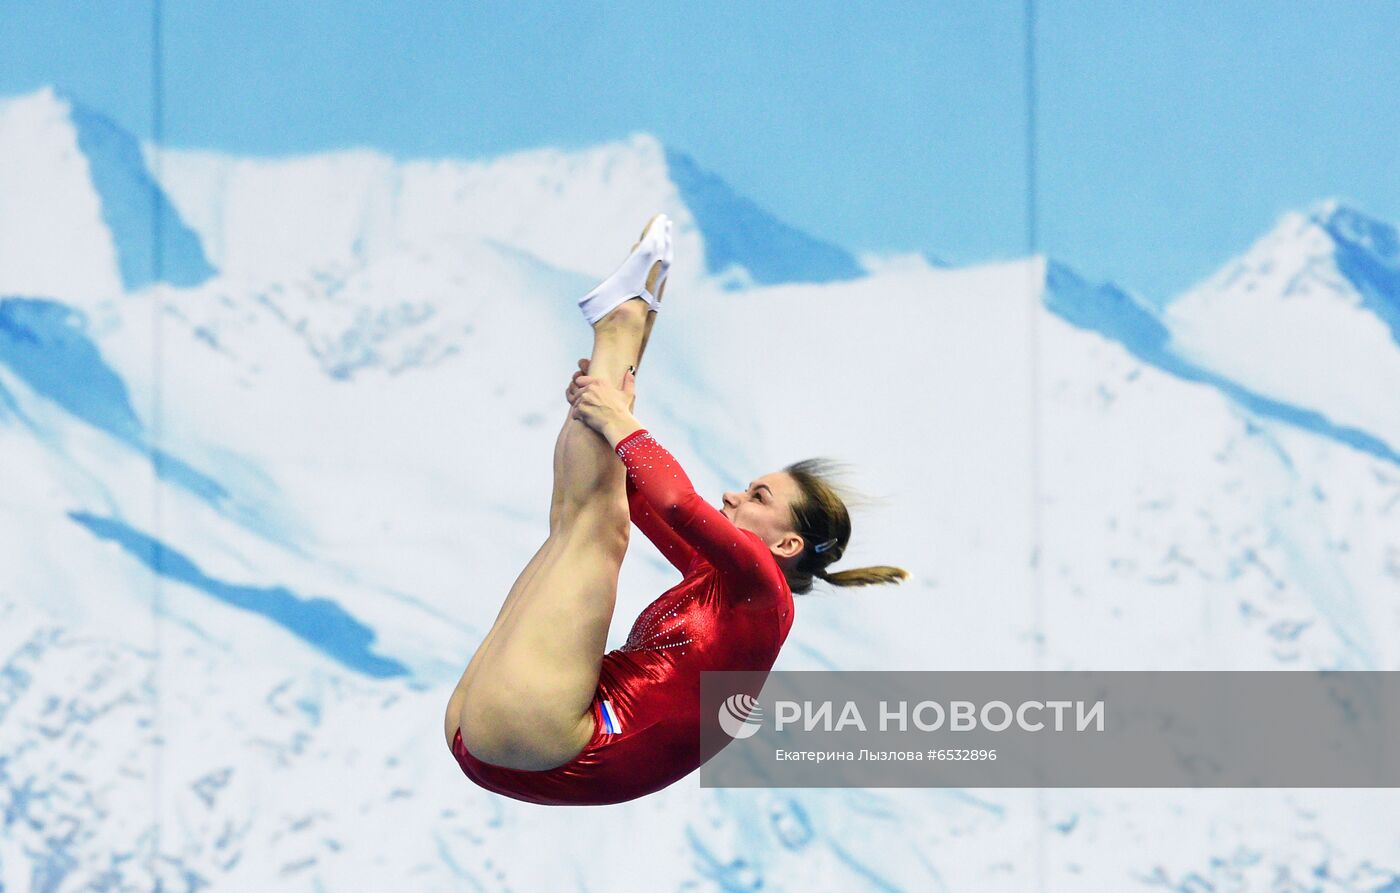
<point x="541" y="713"/>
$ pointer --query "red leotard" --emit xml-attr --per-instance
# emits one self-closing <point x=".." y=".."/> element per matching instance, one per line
<point x="732" y="611"/>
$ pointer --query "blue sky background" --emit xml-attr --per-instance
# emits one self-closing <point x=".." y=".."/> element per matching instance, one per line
<point x="1170" y="135"/>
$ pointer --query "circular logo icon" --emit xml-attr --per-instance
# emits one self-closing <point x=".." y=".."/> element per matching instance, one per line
<point x="740" y="716"/>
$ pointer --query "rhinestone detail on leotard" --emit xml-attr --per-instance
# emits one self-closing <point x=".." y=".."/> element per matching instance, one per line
<point x="657" y="630"/>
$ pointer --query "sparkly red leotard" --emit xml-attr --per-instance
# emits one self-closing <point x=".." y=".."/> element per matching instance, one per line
<point x="732" y="611"/>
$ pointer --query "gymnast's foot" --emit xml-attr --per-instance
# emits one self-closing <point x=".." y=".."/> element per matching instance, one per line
<point x="641" y="276"/>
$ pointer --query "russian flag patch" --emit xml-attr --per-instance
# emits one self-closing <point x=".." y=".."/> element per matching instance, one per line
<point x="610" y="723"/>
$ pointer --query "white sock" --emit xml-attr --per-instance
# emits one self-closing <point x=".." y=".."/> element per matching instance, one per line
<point x="630" y="279"/>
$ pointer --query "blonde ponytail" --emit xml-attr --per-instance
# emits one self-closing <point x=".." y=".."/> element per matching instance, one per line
<point x="864" y="576"/>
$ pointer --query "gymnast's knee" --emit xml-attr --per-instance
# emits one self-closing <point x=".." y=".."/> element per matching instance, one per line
<point x="605" y="521"/>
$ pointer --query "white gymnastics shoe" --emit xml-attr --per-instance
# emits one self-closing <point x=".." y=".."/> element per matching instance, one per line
<point x="630" y="279"/>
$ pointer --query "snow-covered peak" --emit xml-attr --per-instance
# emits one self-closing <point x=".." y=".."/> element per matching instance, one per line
<point x="1321" y="285"/>
<point x="50" y="213"/>
<point x="1296" y="244"/>
<point x="1331" y="251"/>
<point x="75" y="186"/>
<point x="575" y="210"/>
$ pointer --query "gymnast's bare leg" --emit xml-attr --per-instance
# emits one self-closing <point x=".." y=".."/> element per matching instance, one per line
<point x="524" y="700"/>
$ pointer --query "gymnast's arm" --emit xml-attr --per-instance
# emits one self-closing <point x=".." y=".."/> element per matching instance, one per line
<point x="669" y="543"/>
<point x="659" y="479"/>
<point x="655" y="473"/>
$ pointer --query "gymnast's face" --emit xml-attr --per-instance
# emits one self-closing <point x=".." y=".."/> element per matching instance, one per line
<point x="765" y="508"/>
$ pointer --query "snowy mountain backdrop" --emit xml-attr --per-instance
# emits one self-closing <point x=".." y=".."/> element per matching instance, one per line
<point x="275" y="440"/>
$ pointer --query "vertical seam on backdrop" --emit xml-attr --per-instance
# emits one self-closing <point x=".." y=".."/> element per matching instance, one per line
<point x="1036" y="292"/>
<point x="157" y="430"/>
